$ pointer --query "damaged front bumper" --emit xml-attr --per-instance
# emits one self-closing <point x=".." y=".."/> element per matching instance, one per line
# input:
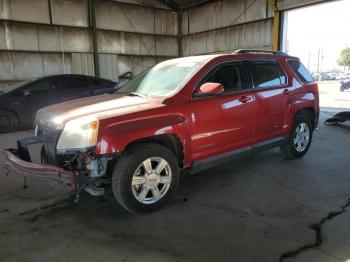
<point x="50" y="173"/>
<point x="73" y="169"/>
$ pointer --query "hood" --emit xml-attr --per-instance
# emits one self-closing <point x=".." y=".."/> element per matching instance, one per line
<point x="103" y="106"/>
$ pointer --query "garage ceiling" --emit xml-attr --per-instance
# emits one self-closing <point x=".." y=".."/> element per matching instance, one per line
<point x="185" y="4"/>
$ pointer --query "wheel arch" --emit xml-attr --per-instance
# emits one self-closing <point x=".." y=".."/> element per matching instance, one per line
<point x="171" y="141"/>
<point x="310" y="112"/>
<point x="13" y="112"/>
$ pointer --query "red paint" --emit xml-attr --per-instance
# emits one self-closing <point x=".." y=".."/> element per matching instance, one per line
<point x="212" y="125"/>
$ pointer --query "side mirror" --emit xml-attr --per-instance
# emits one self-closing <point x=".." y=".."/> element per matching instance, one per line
<point x="127" y="75"/>
<point x="209" y="89"/>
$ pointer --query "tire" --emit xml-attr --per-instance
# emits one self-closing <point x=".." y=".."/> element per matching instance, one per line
<point x="8" y="121"/>
<point x="342" y="89"/>
<point x="131" y="168"/>
<point x="291" y="149"/>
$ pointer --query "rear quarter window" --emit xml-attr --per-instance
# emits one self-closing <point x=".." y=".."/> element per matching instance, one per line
<point x="301" y="71"/>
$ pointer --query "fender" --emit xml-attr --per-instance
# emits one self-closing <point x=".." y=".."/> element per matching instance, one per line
<point x="115" y="137"/>
<point x="296" y="103"/>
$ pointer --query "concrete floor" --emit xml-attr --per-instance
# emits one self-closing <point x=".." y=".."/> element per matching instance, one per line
<point x="254" y="209"/>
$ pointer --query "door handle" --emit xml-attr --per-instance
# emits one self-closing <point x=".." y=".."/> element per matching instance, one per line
<point x="245" y="99"/>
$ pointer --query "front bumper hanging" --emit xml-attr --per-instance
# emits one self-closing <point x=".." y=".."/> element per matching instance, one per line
<point x="50" y="173"/>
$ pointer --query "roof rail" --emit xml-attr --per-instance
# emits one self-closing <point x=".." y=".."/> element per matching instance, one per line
<point x="253" y="51"/>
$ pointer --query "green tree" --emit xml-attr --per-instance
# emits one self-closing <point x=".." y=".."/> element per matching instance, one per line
<point x="344" y="59"/>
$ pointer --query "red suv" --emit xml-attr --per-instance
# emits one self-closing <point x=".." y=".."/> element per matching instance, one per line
<point x="188" y="113"/>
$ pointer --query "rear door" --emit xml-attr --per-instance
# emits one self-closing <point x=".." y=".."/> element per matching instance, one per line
<point x="271" y="90"/>
<point x="223" y="123"/>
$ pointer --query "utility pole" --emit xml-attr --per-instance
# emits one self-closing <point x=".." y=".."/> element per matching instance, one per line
<point x="308" y="61"/>
<point x="318" y="60"/>
<point x="322" y="61"/>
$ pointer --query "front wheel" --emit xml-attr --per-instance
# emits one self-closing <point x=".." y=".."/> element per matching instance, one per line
<point x="8" y="121"/>
<point x="300" y="138"/>
<point x="145" y="177"/>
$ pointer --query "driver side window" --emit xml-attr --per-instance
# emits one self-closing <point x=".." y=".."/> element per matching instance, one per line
<point x="230" y="76"/>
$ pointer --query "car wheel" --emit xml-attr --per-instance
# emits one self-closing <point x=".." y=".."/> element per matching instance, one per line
<point x="145" y="177"/>
<point x="342" y="89"/>
<point x="8" y="121"/>
<point x="300" y="138"/>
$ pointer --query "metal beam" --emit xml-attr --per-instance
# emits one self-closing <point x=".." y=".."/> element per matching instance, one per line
<point x="92" y="23"/>
<point x="179" y="33"/>
<point x="276" y="25"/>
<point x="171" y="4"/>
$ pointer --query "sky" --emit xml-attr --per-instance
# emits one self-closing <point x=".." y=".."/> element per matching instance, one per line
<point x="324" y="27"/>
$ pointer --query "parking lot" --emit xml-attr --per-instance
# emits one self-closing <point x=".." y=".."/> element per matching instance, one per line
<point x="331" y="97"/>
<point x="260" y="208"/>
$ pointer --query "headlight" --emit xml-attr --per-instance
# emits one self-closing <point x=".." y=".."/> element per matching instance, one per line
<point x="78" y="133"/>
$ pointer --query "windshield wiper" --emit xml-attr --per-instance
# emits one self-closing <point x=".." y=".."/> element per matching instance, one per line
<point x="132" y="94"/>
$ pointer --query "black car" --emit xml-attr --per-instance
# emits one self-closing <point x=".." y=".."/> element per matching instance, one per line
<point x="19" y="103"/>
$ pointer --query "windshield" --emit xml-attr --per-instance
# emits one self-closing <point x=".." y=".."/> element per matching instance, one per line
<point x="14" y="86"/>
<point x="163" y="79"/>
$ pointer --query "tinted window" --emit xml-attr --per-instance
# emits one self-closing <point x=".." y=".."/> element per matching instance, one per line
<point x="97" y="82"/>
<point x="266" y="74"/>
<point x="230" y="77"/>
<point x="282" y="75"/>
<point x="71" y="82"/>
<point x="39" y="86"/>
<point x="301" y="71"/>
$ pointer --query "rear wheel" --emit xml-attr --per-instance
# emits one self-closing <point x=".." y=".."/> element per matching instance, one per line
<point x="300" y="138"/>
<point x="145" y="177"/>
<point x="8" y="121"/>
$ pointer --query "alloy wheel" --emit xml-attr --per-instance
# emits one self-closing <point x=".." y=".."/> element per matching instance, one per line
<point x="151" y="180"/>
<point x="5" y="122"/>
<point x="301" y="137"/>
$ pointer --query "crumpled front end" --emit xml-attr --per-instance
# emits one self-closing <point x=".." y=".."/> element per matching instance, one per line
<point x="75" y="169"/>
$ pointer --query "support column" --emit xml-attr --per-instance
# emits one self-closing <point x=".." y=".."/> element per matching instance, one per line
<point x="179" y="32"/>
<point x="92" y="23"/>
<point x="276" y="25"/>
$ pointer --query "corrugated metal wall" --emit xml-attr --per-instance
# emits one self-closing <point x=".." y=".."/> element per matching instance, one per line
<point x="41" y="37"/>
<point x="224" y="26"/>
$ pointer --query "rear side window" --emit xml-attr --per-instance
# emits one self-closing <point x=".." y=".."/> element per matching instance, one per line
<point x="301" y="71"/>
<point x="71" y="82"/>
<point x="40" y="86"/>
<point x="267" y="74"/>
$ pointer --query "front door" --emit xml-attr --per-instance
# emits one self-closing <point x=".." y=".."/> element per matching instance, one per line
<point x="225" y="122"/>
